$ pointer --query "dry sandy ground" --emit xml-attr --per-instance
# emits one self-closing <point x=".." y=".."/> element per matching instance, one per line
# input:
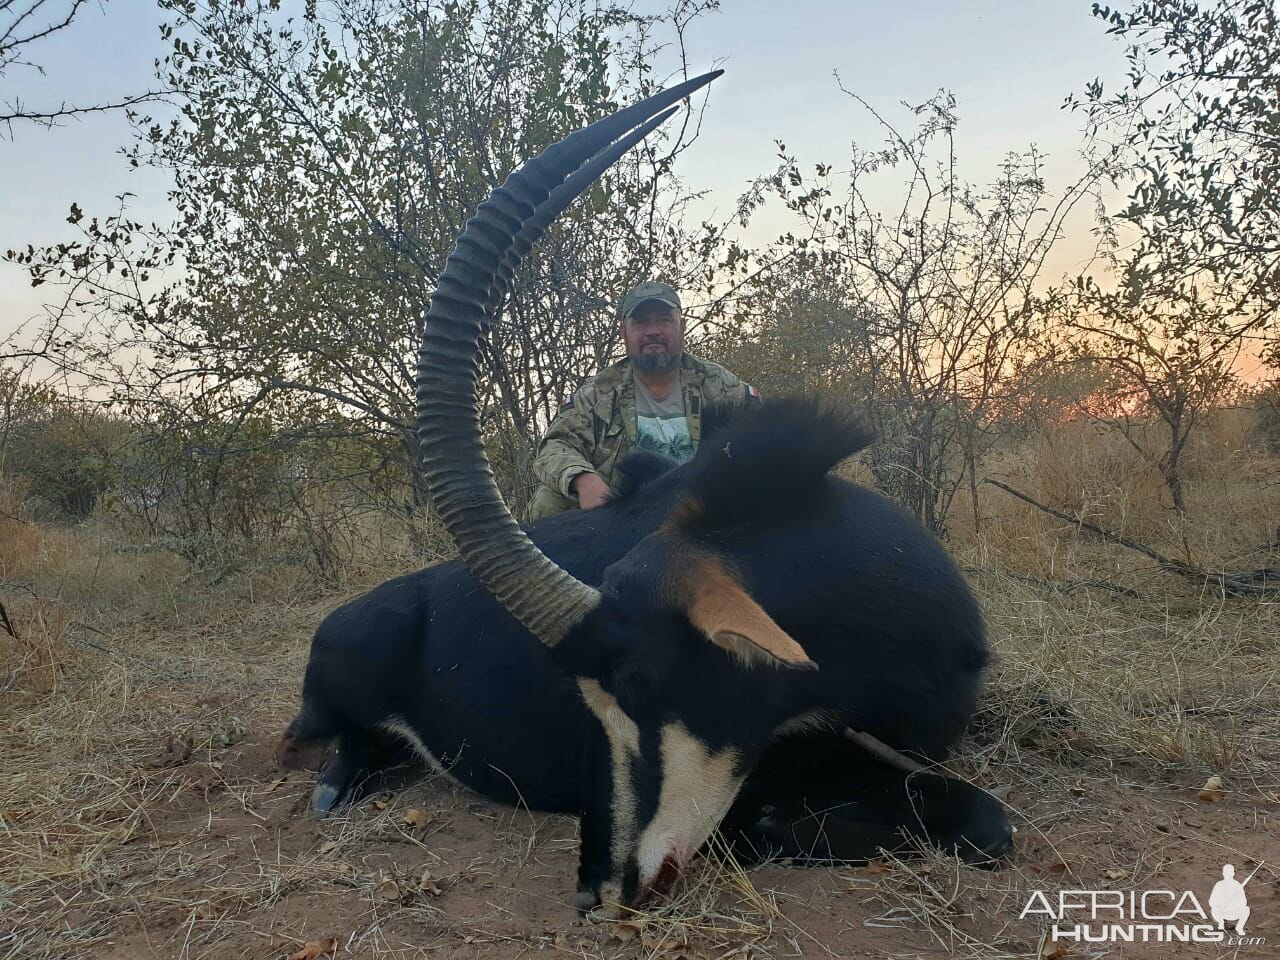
<point x="141" y="814"/>
<point x="227" y="864"/>
<point x="207" y="851"/>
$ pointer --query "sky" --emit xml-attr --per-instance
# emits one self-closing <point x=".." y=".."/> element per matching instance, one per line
<point x="1009" y="65"/>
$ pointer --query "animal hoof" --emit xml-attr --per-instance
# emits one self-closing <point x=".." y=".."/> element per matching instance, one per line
<point x="584" y="901"/>
<point x="605" y="913"/>
<point x="323" y="799"/>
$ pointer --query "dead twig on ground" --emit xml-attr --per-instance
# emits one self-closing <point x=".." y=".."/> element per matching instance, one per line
<point x="1262" y="582"/>
<point x="7" y="623"/>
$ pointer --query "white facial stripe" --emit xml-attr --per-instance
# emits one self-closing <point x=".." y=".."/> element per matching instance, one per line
<point x="624" y="743"/>
<point x="398" y="727"/>
<point x="698" y="787"/>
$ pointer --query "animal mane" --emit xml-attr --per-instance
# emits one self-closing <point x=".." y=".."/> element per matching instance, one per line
<point x="766" y="458"/>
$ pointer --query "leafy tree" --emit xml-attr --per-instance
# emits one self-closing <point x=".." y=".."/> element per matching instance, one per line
<point x="61" y="450"/>
<point x="322" y="168"/>
<point x="1190" y="278"/>
<point x="1194" y="133"/>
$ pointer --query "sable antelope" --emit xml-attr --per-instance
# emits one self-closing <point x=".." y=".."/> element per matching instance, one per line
<point x="693" y="654"/>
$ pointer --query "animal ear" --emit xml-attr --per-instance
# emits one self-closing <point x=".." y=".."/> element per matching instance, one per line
<point x="719" y="607"/>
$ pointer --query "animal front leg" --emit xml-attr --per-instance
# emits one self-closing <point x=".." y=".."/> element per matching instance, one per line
<point x="595" y="824"/>
<point x="341" y="777"/>
<point x="821" y="798"/>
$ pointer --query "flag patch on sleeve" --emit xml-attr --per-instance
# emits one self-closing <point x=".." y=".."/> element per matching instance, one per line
<point x="752" y="392"/>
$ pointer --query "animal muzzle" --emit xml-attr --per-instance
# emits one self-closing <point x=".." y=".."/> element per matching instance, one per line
<point x="660" y="883"/>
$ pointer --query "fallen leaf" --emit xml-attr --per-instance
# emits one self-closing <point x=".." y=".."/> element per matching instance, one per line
<point x="388" y="889"/>
<point x="327" y="847"/>
<point x="1212" y="790"/>
<point x="416" y="818"/>
<point x="315" y="949"/>
<point x="379" y="804"/>
<point x="428" y="885"/>
<point x="626" y="931"/>
<point x="877" y="867"/>
<point x="1076" y="789"/>
<point x="177" y="751"/>
<point x="273" y="784"/>
<point x="1058" y="867"/>
<point x="1115" y="873"/>
<point x="1053" y="951"/>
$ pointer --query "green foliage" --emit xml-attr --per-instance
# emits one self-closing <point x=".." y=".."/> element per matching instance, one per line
<point x="1195" y="132"/>
<point x="322" y="168"/>
<point x="1192" y="257"/>
<point x="62" y="451"/>
<point x="215" y="487"/>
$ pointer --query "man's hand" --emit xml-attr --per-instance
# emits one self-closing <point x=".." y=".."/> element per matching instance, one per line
<point x="591" y="490"/>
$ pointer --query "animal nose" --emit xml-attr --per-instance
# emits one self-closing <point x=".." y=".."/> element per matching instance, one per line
<point x="668" y="873"/>
<point x="662" y="881"/>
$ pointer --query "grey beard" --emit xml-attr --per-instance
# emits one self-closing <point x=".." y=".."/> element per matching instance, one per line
<point x="656" y="362"/>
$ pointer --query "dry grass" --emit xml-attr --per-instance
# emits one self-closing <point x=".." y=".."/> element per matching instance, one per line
<point x="1091" y="472"/>
<point x="140" y="813"/>
<point x="1171" y="681"/>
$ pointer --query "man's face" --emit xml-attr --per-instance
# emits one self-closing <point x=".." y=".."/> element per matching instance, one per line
<point x="654" y="335"/>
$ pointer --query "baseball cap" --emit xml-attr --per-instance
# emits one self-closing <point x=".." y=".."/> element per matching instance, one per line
<point x="648" y="290"/>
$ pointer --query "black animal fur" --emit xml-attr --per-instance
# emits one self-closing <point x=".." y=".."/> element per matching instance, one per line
<point x="871" y="596"/>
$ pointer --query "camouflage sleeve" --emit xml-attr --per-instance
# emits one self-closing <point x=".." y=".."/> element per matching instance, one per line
<point x="742" y="391"/>
<point x="566" y="446"/>
<point x="729" y="387"/>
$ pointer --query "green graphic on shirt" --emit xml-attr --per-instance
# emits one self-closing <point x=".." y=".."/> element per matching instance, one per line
<point x="668" y="436"/>
<point x="661" y="425"/>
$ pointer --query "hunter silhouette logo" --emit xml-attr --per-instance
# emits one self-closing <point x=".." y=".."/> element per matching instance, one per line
<point x="1228" y="901"/>
<point x="1148" y="916"/>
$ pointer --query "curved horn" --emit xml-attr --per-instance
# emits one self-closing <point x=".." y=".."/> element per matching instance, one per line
<point x="538" y="593"/>
<point x="559" y="199"/>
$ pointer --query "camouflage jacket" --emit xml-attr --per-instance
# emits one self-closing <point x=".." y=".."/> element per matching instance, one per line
<point x="598" y="425"/>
